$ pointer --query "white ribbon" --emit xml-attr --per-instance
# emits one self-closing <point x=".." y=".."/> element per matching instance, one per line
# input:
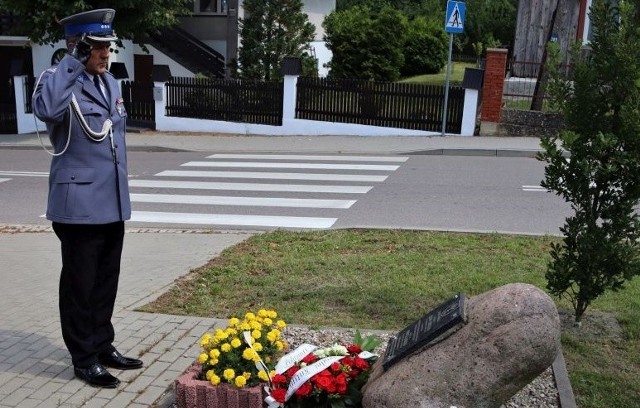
<point x="288" y="360"/>
<point x="260" y="365"/>
<point x="305" y="373"/>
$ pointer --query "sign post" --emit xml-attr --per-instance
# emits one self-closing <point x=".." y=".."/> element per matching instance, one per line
<point x="453" y="24"/>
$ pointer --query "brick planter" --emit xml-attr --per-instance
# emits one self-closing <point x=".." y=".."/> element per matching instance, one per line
<point x="194" y="393"/>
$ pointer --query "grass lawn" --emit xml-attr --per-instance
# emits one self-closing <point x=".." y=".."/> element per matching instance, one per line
<point x="457" y="73"/>
<point x="385" y="279"/>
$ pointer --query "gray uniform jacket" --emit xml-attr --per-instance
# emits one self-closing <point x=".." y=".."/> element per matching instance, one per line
<point x="88" y="183"/>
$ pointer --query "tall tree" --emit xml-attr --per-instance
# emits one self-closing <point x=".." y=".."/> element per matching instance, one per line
<point x="40" y="21"/>
<point x="271" y="30"/>
<point x="600" y="250"/>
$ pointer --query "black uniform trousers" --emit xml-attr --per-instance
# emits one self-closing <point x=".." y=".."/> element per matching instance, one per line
<point x="88" y="286"/>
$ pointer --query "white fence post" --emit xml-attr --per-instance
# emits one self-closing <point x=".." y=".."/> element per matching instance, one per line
<point x="470" y="112"/>
<point x="160" y="98"/>
<point x="289" y="97"/>
<point x="472" y="83"/>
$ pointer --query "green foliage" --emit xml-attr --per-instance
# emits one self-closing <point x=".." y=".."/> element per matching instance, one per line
<point x="601" y="248"/>
<point x="490" y="21"/>
<point x="270" y="31"/>
<point x="368" y="343"/>
<point x="425" y="8"/>
<point x="366" y="44"/>
<point x="426" y="48"/>
<point x="559" y="85"/>
<point x="133" y="18"/>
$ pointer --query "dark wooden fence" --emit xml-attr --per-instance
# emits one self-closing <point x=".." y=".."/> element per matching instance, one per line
<point x="139" y="103"/>
<point x="228" y="100"/>
<point x="387" y="104"/>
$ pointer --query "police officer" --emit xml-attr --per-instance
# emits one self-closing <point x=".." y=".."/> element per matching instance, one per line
<point x="88" y="202"/>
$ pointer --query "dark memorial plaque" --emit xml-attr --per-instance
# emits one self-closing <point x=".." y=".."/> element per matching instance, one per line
<point x="433" y="326"/>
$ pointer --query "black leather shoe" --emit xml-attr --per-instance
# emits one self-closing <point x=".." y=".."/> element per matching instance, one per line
<point x="97" y="376"/>
<point x="117" y="360"/>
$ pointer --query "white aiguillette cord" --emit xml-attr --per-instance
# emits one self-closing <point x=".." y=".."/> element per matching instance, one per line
<point x="107" y="127"/>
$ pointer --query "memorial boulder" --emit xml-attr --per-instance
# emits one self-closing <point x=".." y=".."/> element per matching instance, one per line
<point x="503" y="339"/>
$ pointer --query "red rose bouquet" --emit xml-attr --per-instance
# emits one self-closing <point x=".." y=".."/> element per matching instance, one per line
<point x="312" y="377"/>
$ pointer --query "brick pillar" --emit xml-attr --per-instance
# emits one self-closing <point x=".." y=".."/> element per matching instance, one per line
<point x="494" y="72"/>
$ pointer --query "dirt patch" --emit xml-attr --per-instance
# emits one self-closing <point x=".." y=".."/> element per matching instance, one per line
<point x="595" y="325"/>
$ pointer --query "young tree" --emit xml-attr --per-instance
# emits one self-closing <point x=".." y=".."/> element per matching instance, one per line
<point x="133" y="18"/>
<point x="600" y="250"/>
<point x="271" y="30"/>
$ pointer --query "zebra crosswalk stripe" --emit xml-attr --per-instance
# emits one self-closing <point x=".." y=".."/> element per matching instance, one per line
<point x="204" y="185"/>
<point x="233" y="219"/>
<point x="242" y="201"/>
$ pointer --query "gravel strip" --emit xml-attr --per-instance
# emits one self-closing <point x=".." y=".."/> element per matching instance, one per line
<point x="540" y="393"/>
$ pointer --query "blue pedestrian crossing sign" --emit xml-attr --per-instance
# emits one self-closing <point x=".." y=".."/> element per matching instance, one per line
<point x="454" y="22"/>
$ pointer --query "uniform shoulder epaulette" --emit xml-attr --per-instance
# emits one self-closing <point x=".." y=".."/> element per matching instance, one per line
<point x="52" y="69"/>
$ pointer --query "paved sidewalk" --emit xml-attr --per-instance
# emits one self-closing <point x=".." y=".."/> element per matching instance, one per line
<point x="35" y="367"/>
<point x="222" y="143"/>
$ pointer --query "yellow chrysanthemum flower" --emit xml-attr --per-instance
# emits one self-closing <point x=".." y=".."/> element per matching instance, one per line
<point x="257" y="346"/>
<point x="244" y="326"/>
<point x="240" y="381"/>
<point x="209" y="374"/>
<point x="276" y="332"/>
<point x="255" y="325"/>
<point x="213" y="361"/>
<point x="220" y="335"/>
<point x="279" y="345"/>
<point x="281" y="324"/>
<point x="205" y="339"/>
<point x="250" y="316"/>
<point x="229" y="374"/>
<point x="231" y="331"/>
<point x="263" y="313"/>
<point x="256" y="334"/>
<point x="215" y="380"/>
<point x="246" y="375"/>
<point x="272" y="314"/>
<point x="202" y="358"/>
<point x="267" y="321"/>
<point x="225" y="347"/>
<point x="234" y="321"/>
<point x="235" y="342"/>
<point x="248" y="354"/>
<point x="214" y="353"/>
<point x="263" y="375"/>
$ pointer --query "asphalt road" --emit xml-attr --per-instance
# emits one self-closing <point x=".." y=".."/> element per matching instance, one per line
<point x="266" y="191"/>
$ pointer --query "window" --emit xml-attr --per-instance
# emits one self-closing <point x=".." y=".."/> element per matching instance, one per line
<point x="210" y="6"/>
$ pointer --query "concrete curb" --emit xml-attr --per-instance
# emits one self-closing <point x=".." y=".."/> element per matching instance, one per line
<point x="561" y="377"/>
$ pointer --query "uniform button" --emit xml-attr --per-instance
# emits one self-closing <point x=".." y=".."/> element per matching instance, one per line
<point x="69" y="70"/>
<point x="116" y="146"/>
<point x="73" y="177"/>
